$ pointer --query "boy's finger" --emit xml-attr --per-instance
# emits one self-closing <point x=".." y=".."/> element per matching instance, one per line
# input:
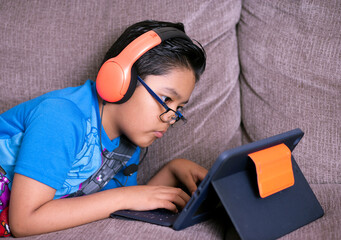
<point x="202" y="174"/>
<point x="191" y="186"/>
<point x="181" y="198"/>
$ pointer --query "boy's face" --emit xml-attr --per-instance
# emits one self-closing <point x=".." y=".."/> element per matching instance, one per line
<point x="138" y="118"/>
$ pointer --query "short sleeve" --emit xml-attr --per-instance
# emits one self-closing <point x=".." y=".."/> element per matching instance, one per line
<point x="54" y="133"/>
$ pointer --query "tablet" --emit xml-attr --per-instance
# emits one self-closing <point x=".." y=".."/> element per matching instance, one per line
<point x="231" y="183"/>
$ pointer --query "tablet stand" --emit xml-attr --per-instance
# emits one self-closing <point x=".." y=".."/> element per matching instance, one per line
<point x="270" y="197"/>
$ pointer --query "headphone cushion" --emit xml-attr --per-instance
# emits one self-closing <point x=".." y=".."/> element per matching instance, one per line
<point x="113" y="81"/>
<point x="132" y="86"/>
<point x="109" y="82"/>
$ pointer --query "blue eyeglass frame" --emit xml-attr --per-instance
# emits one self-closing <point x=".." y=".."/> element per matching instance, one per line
<point x="179" y="115"/>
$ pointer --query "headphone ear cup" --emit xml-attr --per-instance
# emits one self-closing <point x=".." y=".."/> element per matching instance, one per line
<point x="132" y="86"/>
<point x="113" y="82"/>
<point x="109" y="82"/>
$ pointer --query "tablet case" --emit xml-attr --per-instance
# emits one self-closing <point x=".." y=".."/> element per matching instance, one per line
<point x="260" y="186"/>
<point x="272" y="215"/>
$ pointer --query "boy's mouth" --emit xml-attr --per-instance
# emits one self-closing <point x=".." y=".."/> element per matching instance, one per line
<point x="159" y="134"/>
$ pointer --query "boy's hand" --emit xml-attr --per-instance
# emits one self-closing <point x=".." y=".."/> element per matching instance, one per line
<point x="187" y="173"/>
<point x="144" y="197"/>
<point x="180" y="171"/>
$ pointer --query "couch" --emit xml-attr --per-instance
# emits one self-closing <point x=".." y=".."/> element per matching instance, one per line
<point x="272" y="66"/>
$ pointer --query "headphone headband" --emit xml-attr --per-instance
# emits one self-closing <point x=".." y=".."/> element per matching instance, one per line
<point x="170" y="32"/>
<point x="116" y="80"/>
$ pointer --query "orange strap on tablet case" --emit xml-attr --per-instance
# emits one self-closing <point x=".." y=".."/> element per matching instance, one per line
<point x="274" y="169"/>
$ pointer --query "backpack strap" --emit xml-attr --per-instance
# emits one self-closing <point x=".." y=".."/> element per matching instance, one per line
<point x="112" y="163"/>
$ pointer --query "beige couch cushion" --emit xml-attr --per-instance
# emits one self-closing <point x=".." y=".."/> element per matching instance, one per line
<point x="290" y="53"/>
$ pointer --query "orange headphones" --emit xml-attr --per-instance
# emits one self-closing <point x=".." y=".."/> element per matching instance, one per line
<point x="117" y="78"/>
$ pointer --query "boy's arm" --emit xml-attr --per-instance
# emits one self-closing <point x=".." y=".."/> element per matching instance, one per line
<point x="180" y="171"/>
<point x="33" y="211"/>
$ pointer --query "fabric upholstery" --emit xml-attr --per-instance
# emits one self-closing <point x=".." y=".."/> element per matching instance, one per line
<point x="290" y="54"/>
<point x="123" y="229"/>
<point x="278" y="70"/>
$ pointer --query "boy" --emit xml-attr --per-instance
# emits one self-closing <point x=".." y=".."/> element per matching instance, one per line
<point x="55" y="150"/>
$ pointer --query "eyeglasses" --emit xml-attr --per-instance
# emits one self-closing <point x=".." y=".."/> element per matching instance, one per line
<point x="169" y="116"/>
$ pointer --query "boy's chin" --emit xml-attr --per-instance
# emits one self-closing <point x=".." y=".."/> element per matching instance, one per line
<point x="144" y="143"/>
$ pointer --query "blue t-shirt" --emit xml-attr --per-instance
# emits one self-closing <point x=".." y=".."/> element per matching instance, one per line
<point x="54" y="139"/>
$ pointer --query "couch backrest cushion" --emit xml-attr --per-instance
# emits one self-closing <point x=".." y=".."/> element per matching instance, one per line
<point x="290" y="53"/>
<point x="47" y="45"/>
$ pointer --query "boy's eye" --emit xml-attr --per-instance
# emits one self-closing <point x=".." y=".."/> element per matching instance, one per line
<point x="166" y="99"/>
<point x="180" y="109"/>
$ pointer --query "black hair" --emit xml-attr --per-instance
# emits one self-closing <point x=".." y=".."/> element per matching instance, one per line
<point x="171" y="53"/>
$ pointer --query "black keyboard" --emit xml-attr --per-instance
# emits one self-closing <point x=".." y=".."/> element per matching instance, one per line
<point x="161" y="217"/>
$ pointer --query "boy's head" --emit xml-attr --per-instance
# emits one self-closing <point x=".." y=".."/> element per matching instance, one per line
<point x="167" y="73"/>
<point x="174" y="52"/>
